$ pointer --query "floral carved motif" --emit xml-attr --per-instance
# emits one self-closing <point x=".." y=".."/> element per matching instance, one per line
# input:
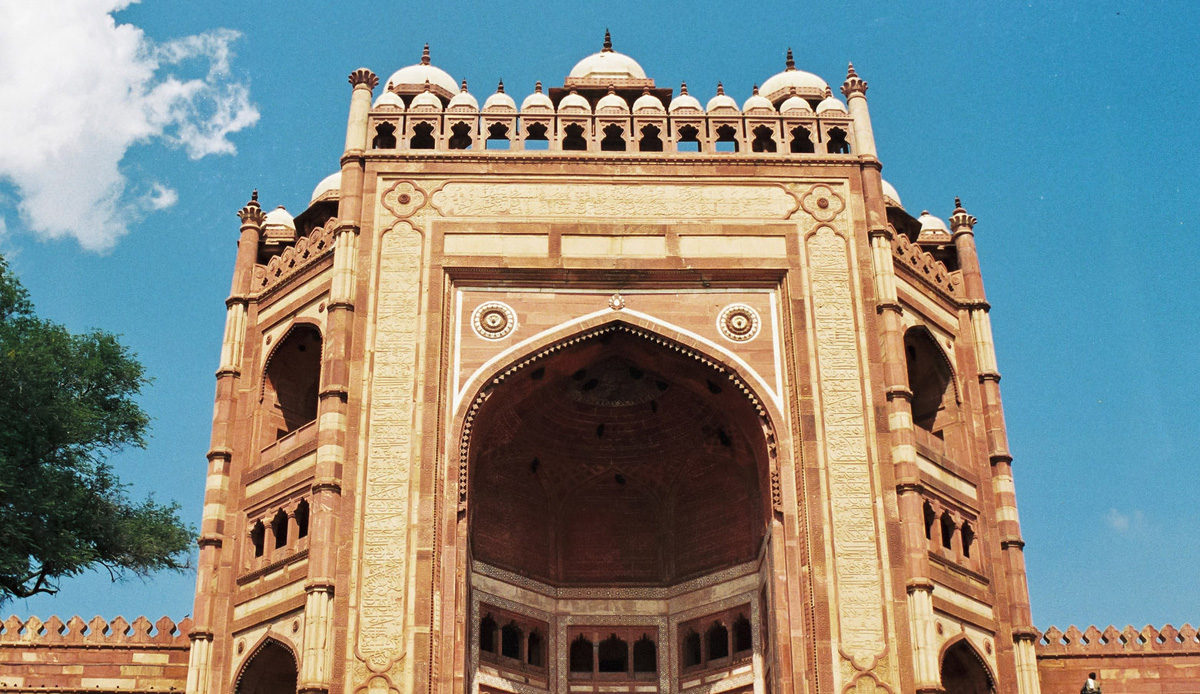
<point x="822" y="203"/>
<point x="403" y="199"/>
<point x="739" y="323"/>
<point x="493" y="320"/>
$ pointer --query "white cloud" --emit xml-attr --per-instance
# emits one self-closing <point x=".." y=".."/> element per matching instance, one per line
<point x="78" y="90"/>
<point x="1123" y="523"/>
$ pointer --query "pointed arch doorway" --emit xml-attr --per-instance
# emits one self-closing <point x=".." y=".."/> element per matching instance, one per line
<point x="621" y="501"/>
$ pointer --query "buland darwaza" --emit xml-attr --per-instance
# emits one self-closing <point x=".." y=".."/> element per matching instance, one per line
<point x="612" y="391"/>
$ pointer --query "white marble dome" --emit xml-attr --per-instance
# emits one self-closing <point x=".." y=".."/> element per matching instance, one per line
<point x="684" y="102"/>
<point x="795" y="105"/>
<point x="389" y="100"/>
<point x="890" y="196"/>
<point x="793" y="81"/>
<point x="612" y="101"/>
<point x="330" y="188"/>
<point x="415" y="76"/>
<point x="932" y="225"/>
<point x="757" y="103"/>
<point x="426" y="99"/>
<point x="607" y="64"/>
<point x="279" y="217"/>
<point x="648" y="102"/>
<point x="721" y="101"/>
<point x="574" y="102"/>
<point x="831" y="103"/>
<point x="464" y="100"/>
<point x="499" y="100"/>
<point x="537" y="101"/>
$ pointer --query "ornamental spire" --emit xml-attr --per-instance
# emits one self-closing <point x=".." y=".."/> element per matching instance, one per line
<point x="682" y="88"/>
<point x="500" y="87"/>
<point x="791" y="62"/>
<point x="720" y="89"/>
<point x="538" y="87"/>
<point x="853" y="84"/>
<point x="607" y="42"/>
<point x="425" y="55"/>
<point x="464" y="85"/>
<point x="961" y="219"/>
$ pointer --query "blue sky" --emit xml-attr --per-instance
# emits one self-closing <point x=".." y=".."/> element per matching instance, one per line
<point x="1066" y="128"/>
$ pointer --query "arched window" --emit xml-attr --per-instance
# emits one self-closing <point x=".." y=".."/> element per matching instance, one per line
<point x="934" y="401"/>
<point x="764" y="140"/>
<point x="497" y="137"/>
<point x="271" y="669"/>
<point x="717" y="638"/>
<point x="422" y="137"/>
<point x="460" y="136"/>
<point x="838" y="144"/>
<point x="743" y="636"/>
<point x="688" y="140"/>
<point x="691" y="649"/>
<point x="963" y="671"/>
<point x="930" y="517"/>
<point x="614" y="140"/>
<point x="650" y="142"/>
<point x="301" y="516"/>
<point x="573" y="139"/>
<point x="947" y="530"/>
<point x="292" y="381"/>
<point x="258" y="537"/>
<point x="279" y="528"/>
<point x="487" y="634"/>
<point x="510" y="641"/>
<point x="614" y="655"/>
<point x="581" y="654"/>
<point x="727" y="139"/>
<point x="534" y="654"/>
<point x="968" y="538"/>
<point x="535" y="137"/>
<point x="645" y="655"/>
<point x="802" y="140"/>
<point x="385" y="137"/>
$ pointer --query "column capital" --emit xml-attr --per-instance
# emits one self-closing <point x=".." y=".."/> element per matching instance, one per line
<point x="854" y="85"/>
<point x="362" y="77"/>
<point x="961" y="222"/>
<point x="251" y="213"/>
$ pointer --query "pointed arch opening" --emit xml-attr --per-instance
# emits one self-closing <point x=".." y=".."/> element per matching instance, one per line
<point x="964" y="671"/>
<point x="270" y="669"/>
<point x="935" y="405"/>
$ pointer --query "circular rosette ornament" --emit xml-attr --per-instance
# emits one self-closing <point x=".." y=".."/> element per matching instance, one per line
<point x="822" y="203"/>
<point x="739" y="323"/>
<point x="493" y="320"/>
<point x="404" y="199"/>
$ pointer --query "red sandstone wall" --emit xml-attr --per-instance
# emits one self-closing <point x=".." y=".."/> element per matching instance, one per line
<point x="95" y="656"/>
<point x="1150" y="661"/>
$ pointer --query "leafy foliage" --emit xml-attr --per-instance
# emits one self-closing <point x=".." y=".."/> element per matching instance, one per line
<point x="67" y="403"/>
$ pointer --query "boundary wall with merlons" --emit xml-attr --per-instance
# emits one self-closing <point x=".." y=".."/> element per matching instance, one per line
<point x="97" y="656"/>
<point x="1126" y="661"/>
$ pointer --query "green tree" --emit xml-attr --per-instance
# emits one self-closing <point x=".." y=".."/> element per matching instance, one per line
<point x="67" y="403"/>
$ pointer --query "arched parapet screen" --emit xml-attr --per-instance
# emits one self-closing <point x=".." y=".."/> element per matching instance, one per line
<point x="270" y="669"/>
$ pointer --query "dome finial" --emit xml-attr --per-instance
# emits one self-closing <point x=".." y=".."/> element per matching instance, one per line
<point x="828" y="92"/>
<point x="720" y="89"/>
<point x="538" y="87"/>
<point x="682" y="88"/>
<point x="612" y="89"/>
<point x="500" y="87"/>
<point x="464" y="86"/>
<point x="850" y="73"/>
<point x="791" y="62"/>
<point x="756" y="90"/>
<point x="425" y="55"/>
<point x="607" y="42"/>
<point x="254" y="196"/>
<point x="427" y="85"/>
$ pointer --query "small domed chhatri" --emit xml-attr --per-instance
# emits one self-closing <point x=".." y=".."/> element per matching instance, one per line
<point x="463" y="100"/>
<point x="685" y="101"/>
<point x="499" y="100"/>
<point x="537" y="101"/>
<point x="793" y="82"/>
<point x="722" y="101"/>
<point x="607" y="65"/>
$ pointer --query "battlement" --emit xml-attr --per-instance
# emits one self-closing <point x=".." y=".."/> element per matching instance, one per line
<point x="95" y="656"/>
<point x="1111" y="640"/>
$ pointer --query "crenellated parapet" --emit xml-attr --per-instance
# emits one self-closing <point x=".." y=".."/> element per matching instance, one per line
<point x="931" y="271"/>
<point x="96" y="632"/>
<point x="97" y="656"/>
<point x="307" y="251"/>
<point x="1114" y="641"/>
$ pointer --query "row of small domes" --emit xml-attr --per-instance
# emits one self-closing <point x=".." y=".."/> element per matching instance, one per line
<point x="611" y="102"/>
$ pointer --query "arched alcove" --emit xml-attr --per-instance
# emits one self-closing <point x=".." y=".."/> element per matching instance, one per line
<point x="964" y="672"/>
<point x="270" y="669"/>
<point x="291" y="383"/>
<point x="935" y="406"/>
<point x="619" y="465"/>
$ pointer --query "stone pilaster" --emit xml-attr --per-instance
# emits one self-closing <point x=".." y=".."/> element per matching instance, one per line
<point x="962" y="226"/>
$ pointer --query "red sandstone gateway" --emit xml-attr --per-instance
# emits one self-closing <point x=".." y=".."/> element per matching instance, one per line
<point x="607" y="392"/>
